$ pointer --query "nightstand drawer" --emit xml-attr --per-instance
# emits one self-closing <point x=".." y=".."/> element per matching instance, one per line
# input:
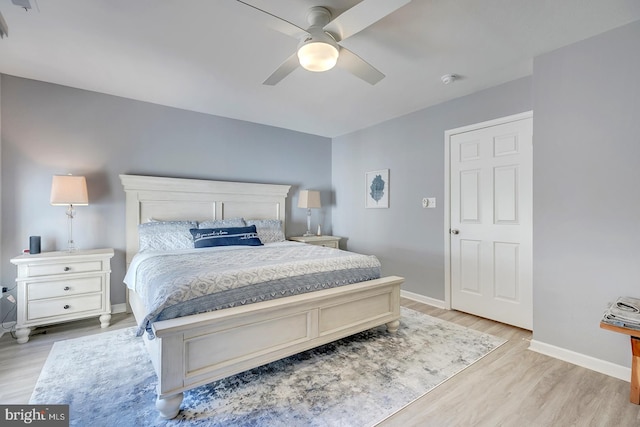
<point x="64" y="306"/>
<point x="63" y="287"/>
<point x="326" y="241"/>
<point x="36" y="270"/>
<point x="328" y="244"/>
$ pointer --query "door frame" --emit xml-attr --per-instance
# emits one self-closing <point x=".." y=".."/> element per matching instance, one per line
<point x="447" y="189"/>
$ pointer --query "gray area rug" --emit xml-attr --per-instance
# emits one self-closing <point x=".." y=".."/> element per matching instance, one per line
<point x="108" y="380"/>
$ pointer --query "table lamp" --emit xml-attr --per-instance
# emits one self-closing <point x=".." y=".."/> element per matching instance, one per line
<point x="70" y="191"/>
<point x="309" y="199"/>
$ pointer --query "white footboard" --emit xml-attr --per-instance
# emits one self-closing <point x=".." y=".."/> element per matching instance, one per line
<point x="195" y="350"/>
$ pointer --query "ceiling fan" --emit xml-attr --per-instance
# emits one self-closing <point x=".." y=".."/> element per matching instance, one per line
<point x="319" y="49"/>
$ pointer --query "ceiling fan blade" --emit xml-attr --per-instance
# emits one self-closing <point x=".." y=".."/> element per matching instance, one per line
<point x="358" y="66"/>
<point x="290" y="64"/>
<point x="279" y="24"/>
<point x="362" y="15"/>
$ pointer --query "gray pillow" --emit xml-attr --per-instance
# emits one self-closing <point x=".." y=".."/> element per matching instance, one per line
<point x="269" y="230"/>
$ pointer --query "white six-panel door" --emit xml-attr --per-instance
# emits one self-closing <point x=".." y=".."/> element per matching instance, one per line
<point x="490" y="220"/>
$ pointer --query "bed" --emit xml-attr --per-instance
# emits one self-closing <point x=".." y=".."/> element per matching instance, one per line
<point x="244" y="336"/>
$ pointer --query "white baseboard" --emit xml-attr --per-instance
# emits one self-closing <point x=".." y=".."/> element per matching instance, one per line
<point x="421" y="298"/>
<point x="583" y="360"/>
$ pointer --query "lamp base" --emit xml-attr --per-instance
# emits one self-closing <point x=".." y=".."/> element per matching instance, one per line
<point x="71" y="245"/>
<point x="308" y="233"/>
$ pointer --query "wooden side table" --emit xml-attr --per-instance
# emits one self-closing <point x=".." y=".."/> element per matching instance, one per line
<point x="635" y="361"/>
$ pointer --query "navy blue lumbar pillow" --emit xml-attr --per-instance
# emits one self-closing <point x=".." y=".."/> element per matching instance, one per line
<point x="210" y="237"/>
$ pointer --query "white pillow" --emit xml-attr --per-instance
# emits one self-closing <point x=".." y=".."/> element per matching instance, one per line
<point x="165" y="235"/>
<point x="269" y="230"/>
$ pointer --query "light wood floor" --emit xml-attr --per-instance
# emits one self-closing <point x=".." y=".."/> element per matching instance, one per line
<point x="512" y="386"/>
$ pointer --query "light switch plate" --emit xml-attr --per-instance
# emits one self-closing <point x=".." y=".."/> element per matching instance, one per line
<point x="429" y="202"/>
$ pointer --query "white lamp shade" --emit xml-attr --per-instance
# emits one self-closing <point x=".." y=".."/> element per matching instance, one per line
<point x="69" y="190"/>
<point x="317" y="56"/>
<point x="309" y="199"/>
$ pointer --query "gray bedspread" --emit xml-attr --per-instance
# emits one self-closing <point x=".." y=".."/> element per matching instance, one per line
<point x="181" y="283"/>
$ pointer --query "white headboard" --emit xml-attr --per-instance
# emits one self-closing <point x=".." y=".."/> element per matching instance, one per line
<point x="166" y="199"/>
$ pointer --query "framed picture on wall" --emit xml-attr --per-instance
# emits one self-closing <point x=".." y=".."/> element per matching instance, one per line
<point x="377" y="189"/>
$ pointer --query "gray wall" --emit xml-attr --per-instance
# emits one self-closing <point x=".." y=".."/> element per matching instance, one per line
<point x="586" y="228"/>
<point x="408" y="239"/>
<point x="586" y="190"/>
<point x="50" y="129"/>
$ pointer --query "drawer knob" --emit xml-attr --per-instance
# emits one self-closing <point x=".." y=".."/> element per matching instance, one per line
<point x="67" y="268"/>
<point x="66" y="307"/>
<point x="66" y="288"/>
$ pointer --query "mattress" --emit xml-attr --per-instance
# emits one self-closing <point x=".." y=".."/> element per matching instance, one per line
<point x="180" y="283"/>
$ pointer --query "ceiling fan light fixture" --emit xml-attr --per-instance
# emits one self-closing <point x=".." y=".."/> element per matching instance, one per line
<point x="317" y="56"/>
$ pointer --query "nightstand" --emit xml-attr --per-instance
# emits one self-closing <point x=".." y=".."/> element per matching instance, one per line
<point x="56" y="287"/>
<point x="328" y="241"/>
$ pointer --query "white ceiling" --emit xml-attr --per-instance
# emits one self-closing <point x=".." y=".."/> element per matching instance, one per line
<point x="212" y="56"/>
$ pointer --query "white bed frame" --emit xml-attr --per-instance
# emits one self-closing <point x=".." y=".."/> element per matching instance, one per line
<point x="198" y="349"/>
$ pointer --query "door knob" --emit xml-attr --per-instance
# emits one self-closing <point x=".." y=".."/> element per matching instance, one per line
<point x="454" y="231"/>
